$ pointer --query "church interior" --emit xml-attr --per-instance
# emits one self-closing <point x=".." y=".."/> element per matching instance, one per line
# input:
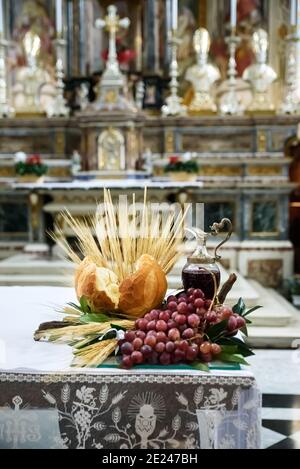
<point x="199" y="102"/>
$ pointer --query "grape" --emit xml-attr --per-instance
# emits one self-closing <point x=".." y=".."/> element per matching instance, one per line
<point x="173" y="315"/>
<point x="192" y="353"/>
<point x="161" y="337"/>
<point x="232" y="324"/>
<point x="172" y="306"/>
<point x="225" y="313"/>
<point x="151" y="325"/>
<point x="190" y="299"/>
<point x="172" y="298"/>
<point x="171" y="324"/>
<point x="127" y="361"/>
<point x="211" y="317"/>
<point x="215" y="349"/>
<point x="193" y="320"/>
<point x="154" y="314"/>
<point x="198" y="293"/>
<point x="190" y="291"/>
<point x="161" y="325"/>
<point x="170" y="347"/>
<point x="150" y="340"/>
<point x="201" y="311"/>
<point x="140" y="334"/>
<point x="137" y="343"/>
<point x="205" y="348"/>
<point x="199" y="303"/>
<point x="142" y="324"/>
<point x="208" y="303"/>
<point x="182" y="308"/>
<point x="152" y="332"/>
<point x="199" y="340"/>
<point x="183" y="345"/>
<point x="191" y="308"/>
<point x="178" y="355"/>
<point x="182" y="328"/>
<point x="137" y="357"/>
<point x="147" y="317"/>
<point x="180" y="319"/>
<point x="153" y="358"/>
<point x="182" y="295"/>
<point x="188" y="333"/>
<point x="240" y="322"/>
<point x="160" y="347"/>
<point x="165" y="358"/>
<point x="146" y="350"/>
<point x="174" y="334"/>
<point x="126" y="348"/>
<point x="129" y="336"/>
<point x="165" y="315"/>
<point x="206" y="357"/>
<point x="182" y="300"/>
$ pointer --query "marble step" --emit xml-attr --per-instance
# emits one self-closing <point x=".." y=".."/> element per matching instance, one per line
<point x="32" y="264"/>
<point x="38" y="280"/>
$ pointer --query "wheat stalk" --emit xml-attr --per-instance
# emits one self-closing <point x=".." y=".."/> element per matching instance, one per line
<point x="99" y="236"/>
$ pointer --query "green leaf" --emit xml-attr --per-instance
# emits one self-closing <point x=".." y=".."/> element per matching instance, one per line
<point x="213" y="332"/>
<point x="86" y="318"/>
<point x="75" y="306"/>
<point x="232" y="358"/>
<point x="84" y="305"/>
<point x="240" y="307"/>
<point x="243" y="348"/>
<point x="200" y="366"/>
<point x="229" y="349"/>
<point x="251" y="310"/>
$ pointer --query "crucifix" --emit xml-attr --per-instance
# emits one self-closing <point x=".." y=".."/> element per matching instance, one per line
<point x="112" y="82"/>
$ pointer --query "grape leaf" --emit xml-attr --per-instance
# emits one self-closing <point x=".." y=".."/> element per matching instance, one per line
<point x="240" y="307"/>
<point x="86" y="318"/>
<point x="213" y="332"/>
<point x="251" y="310"/>
<point x="200" y="366"/>
<point x="232" y="358"/>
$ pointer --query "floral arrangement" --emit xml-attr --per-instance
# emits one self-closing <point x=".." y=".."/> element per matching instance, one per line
<point x="121" y="286"/>
<point x="176" y="164"/>
<point x="30" y="165"/>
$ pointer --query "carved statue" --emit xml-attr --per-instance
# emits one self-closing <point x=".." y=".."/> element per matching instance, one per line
<point x="202" y="76"/>
<point x="260" y="75"/>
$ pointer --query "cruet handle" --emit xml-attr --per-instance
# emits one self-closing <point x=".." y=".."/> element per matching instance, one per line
<point x="215" y="229"/>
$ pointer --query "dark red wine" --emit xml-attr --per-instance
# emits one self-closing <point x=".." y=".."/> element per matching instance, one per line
<point x="195" y="276"/>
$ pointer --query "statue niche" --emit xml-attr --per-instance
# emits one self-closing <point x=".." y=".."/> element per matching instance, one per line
<point x="111" y="150"/>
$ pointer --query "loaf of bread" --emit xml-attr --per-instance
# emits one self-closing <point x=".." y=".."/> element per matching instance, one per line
<point x="144" y="289"/>
<point x="134" y="296"/>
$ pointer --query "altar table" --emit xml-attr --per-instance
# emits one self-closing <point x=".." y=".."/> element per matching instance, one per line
<point x="46" y="404"/>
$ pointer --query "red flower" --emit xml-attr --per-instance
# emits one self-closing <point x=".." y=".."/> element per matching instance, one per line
<point x="34" y="159"/>
<point x="174" y="159"/>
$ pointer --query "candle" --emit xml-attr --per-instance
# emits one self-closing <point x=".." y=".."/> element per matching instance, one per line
<point x="293" y="12"/>
<point x="174" y="14"/>
<point x="1" y="17"/>
<point x="58" y="12"/>
<point x="233" y="13"/>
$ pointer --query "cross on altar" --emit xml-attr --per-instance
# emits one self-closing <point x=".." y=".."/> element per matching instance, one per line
<point x="112" y="23"/>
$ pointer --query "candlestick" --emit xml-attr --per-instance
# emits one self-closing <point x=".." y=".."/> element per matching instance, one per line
<point x="58" y="106"/>
<point x="58" y="14"/>
<point x="293" y="13"/>
<point x="173" y="106"/>
<point x="233" y="13"/>
<point x="230" y="102"/>
<point x="174" y="14"/>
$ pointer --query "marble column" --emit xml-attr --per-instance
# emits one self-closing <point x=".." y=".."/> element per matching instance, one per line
<point x="151" y="37"/>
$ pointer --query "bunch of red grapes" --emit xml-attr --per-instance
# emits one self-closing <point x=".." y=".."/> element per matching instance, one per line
<point x="176" y="332"/>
